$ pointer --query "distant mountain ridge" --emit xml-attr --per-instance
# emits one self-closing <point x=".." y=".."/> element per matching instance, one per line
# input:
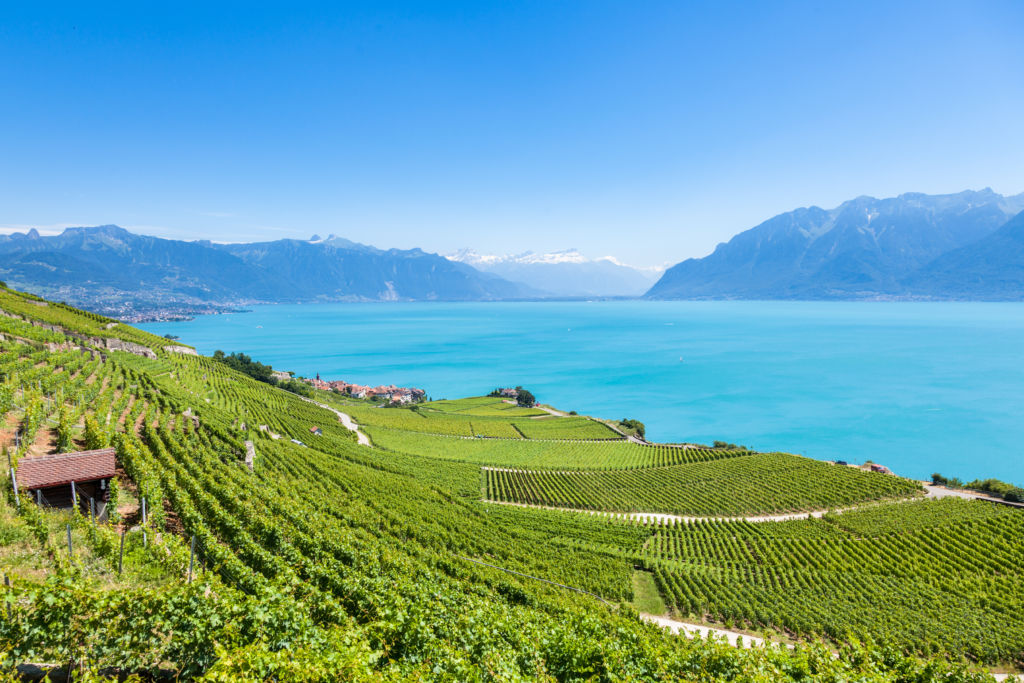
<point x="900" y="247"/>
<point x="108" y="265"/>
<point x="564" y="273"/>
<point x="992" y="267"/>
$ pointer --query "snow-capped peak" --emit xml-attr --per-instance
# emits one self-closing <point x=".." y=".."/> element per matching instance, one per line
<point x="479" y="260"/>
<point x="565" y="256"/>
<point x="474" y="258"/>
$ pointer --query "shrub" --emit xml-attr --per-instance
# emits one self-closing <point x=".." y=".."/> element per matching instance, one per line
<point x="635" y="425"/>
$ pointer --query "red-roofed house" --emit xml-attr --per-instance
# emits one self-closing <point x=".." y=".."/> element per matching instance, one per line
<point x="55" y="480"/>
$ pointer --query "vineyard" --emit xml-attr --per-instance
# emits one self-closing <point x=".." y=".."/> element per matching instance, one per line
<point x="928" y="576"/>
<point x="425" y="419"/>
<point x="761" y="483"/>
<point x="483" y="406"/>
<point x="328" y="560"/>
<point x="544" y="454"/>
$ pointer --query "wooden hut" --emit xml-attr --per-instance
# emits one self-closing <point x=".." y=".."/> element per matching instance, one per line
<point x="62" y="479"/>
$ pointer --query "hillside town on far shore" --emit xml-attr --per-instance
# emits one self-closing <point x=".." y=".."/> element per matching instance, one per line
<point x="389" y="393"/>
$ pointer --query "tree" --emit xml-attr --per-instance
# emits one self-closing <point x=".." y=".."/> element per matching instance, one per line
<point x="246" y="365"/>
<point x="636" y="425"/>
<point x="524" y="398"/>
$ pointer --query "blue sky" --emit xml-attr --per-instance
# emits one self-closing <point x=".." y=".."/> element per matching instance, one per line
<point x="645" y="130"/>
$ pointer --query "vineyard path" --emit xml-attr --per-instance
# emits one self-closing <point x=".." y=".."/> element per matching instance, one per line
<point x="931" y="492"/>
<point x="691" y="630"/>
<point x="664" y="517"/>
<point x="346" y="422"/>
<point x="548" y="410"/>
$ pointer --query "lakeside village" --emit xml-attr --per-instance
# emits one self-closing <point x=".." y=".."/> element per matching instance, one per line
<point x="384" y="393"/>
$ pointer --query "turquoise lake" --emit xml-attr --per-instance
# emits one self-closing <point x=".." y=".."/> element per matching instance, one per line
<point x="920" y="387"/>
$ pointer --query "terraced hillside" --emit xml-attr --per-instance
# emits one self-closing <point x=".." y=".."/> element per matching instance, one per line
<point x="334" y="561"/>
<point x="544" y="454"/>
<point x="924" y="575"/>
<point x="493" y="423"/>
<point x="750" y="484"/>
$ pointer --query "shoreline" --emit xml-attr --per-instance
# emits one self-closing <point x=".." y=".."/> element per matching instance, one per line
<point x="746" y="378"/>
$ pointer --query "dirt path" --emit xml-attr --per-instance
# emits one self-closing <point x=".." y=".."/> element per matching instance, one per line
<point x="350" y="425"/>
<point x="346" y="421"/>
<point x="934" y="491"/>
<point x="663" y="517"/>
<point x="550" y="411"/>
<point x="691" y="630"/>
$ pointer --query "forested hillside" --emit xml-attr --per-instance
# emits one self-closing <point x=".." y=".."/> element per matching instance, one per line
<point x="426" y="555"/>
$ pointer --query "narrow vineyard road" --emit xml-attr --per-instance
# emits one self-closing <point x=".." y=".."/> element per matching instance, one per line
<point x="346" y="421"/>
<point x="662" y="517"/>
<point x="687" y="629"/>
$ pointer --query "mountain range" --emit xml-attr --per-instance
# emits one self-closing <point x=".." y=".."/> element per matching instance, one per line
<point x="112" y="270"/>
<point x="968" y="245"/>
<point x="564" y="273"/>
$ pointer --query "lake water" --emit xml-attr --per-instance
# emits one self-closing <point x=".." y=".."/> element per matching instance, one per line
<point x="920" y="387"/>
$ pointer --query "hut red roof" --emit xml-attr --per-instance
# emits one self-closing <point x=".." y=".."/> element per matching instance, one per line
<point x="64" y="468"/>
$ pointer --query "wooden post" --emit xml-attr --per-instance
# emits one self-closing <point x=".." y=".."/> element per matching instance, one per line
<point x="14" y="483"/>
<point x="39" y="497"/>
<point x="191" y="557"/>
<point x="120" y="560"/>
<point x="7" y="582"/>
<point x="69" y="541"/>
<point x="92" y="509"/>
